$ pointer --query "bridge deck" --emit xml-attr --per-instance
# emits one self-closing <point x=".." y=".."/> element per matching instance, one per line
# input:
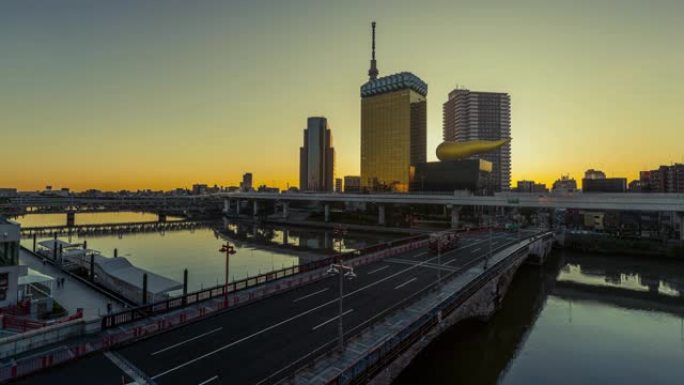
<point x="247" y="345"/>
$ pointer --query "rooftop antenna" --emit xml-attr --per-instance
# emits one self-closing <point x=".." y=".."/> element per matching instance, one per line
<point x="373" y="71"/>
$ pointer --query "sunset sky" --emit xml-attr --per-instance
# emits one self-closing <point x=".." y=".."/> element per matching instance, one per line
<point x="132" y="94"/>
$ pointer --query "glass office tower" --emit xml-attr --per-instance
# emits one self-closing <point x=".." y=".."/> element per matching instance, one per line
<point x="393" y="131"/>
<point x="316" y="157"/>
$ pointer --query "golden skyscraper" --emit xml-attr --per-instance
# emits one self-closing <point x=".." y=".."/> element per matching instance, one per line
<point x="393" y="129"/>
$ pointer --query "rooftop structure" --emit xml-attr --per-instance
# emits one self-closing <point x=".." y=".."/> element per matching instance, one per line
<point x="394" y="82"/>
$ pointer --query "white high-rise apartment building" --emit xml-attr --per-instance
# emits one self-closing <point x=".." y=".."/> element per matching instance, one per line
<point x="470" y="115"/>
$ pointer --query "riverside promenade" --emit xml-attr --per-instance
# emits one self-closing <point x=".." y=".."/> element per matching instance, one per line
<point x="74" y="294"/>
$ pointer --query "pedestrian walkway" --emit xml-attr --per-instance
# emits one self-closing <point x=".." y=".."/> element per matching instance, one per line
<point x="73" y="294"/>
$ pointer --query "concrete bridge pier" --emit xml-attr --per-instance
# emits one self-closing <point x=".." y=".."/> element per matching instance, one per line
<point x="286" y="206"/>
<point x="539" y="249"/>
<point x="237" y="207"/>
<point x="381" y="215"/>
<point x="71" y="218"/>
<point x="286" y="234"/>
<point x="326" y="209"/>
<point x="681" y="226"/>
<point x="255" y="211"/>
<point x="455" y="211"/>
<point x="226" y="206"/>
<point x="327" y="242"/>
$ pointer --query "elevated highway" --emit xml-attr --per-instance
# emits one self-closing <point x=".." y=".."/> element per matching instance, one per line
<point x="588" y="201"/>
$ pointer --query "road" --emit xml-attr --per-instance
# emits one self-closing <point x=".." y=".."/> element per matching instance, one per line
<point x="251" y="343"/>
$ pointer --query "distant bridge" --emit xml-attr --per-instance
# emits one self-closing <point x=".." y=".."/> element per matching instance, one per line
<point x="95" y="229"/>
<point x="160" y="205"/>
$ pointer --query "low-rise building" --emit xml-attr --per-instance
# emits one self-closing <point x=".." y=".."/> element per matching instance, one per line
<point x="665" y="179"/>
<point x="596" y="181"/>
<point x="530" y="186"/>
<point x="565" y="185"/>
<point x="10" y="270"/>
<point x="352" y="184"/>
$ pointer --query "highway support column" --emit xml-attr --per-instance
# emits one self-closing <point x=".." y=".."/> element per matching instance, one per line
<point x="326" y="209"/>
<point x="681" y="226"/>
<point x="144" y="289"/>
<point x="71" y="218"/>
<point x="237" y="208"/>
<point x="286" y="206"/>
<point x="255" y="212"/>
<point x="226" y="206"/>
<point x="455" y="210"/>
<point x="381" y="215"/>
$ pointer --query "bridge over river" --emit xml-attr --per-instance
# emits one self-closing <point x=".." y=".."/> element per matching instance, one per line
<point x="288" y="332"/>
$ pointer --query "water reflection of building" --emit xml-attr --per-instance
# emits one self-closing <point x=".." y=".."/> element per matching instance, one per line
<point x="630" y="273"/>
<point x="295" y="239"/>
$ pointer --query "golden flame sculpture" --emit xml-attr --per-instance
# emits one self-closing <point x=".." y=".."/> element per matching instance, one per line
<point x="460" y="150"/>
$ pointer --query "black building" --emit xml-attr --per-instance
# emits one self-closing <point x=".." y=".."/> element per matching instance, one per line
<point x="607" y="185"/>
<point x="448" y="176"/>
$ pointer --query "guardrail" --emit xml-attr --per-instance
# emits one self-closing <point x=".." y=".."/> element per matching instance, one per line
<point x="27" y="365"/>
<point x="286" y="373"/>
<point x="164" y="306"/>
<point x="365" y="369"/>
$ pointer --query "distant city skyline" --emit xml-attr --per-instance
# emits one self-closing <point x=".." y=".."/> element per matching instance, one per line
<point x="133" y="96"/>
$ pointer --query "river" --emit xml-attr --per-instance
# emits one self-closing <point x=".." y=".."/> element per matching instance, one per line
<point x="582" y="319"/>
<point x="259" y="249"/>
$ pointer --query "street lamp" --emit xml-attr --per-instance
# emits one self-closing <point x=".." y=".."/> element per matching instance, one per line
<point x="343" y="271"/>
<point x="229" y="250"/>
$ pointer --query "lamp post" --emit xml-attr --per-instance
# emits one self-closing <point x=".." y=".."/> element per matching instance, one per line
<point x="343" y="271"/>
<point x="229" y="250"/>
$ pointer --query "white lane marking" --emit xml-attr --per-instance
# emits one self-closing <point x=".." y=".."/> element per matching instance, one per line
<point x="186" y="341"/>
<point x="208" y="381"/>
<point x="378" y="269"/>
<point x="302" y="314"/>
<point x="125" y="365"/>
<point x="421" y="254"/>
<point x="477" y="250"/>
<point x="405" y="283"/>
<point x="449" y="261"/>
<point x="311" y="295"/>
<point x="332" y="319"/>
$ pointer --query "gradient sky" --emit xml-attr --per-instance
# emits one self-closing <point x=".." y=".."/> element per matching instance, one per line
<point x="161" y="94"/>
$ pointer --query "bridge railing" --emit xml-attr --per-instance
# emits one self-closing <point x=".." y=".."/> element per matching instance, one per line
<point x="365" y="369"/>
<point x="287" y="372"/>
<point x="164" y="306"/>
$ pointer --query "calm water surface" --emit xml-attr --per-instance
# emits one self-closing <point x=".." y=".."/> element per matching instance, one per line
<point x="582" y="319"/>
<point x="258" y="249"/>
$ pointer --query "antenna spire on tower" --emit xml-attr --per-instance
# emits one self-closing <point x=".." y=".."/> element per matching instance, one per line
<point x="373" y="71"/>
